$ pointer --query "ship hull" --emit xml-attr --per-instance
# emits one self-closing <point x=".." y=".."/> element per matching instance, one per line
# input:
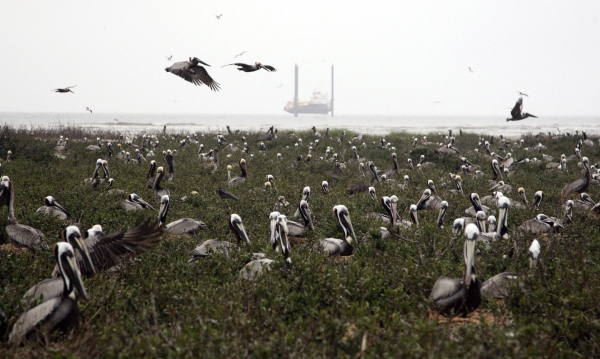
<point x="309" y="109"/>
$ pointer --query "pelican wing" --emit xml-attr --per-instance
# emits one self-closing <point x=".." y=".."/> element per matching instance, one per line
<point x="445" y="287"/>
<point x="25" y="236"/>
<point x="255" y="268"/>
<point x="48" y="289"/>
<point x="184" y="226"/>
<point x="29" y="320"/>
<point x="269" y="68"/>
<point x="211" y="245"/>
<point x="107" y="250"/>
<point x="331" y="246"/>
<point x="518" y="109"/>
<point x="536" y="227"/>
<point x="498" y="285"/>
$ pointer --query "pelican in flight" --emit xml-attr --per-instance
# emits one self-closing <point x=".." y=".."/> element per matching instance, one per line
<point x="213" y="245"/>
<point x="192" y="72"/>
<point x="341" y="247"/>
<point x="65" y="90"/>
<point x="240" y="54"/>
<point x="517" y="112"/>
<point x="19" y="234"/>
<point x="88" y="109"/>
<point x="51" y="207"/>
<point x="251" y="68"/>
<point x="58" y="313"/>
<point x="180" y="226"/>
<point x="460" y="296"/>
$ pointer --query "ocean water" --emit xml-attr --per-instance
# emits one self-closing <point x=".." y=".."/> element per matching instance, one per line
<point x="135" y="123"/>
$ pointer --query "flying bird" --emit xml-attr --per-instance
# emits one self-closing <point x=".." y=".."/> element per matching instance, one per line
<point x="435" y="103"/>
<point x="240" y="54"/>
<point x="64" y="90"/>
<point x="192" y="72"/>
<point x="470" y="69"/>
<point x="517" y="112"/>
<point x="251" y="68"/>
<point x="169" y="57"/>
<point x="522" y="94"/>
<point x="88" y="109"/>
<point x="219" y="16"/>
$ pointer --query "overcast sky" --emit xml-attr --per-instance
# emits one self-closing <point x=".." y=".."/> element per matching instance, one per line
<point x="391" y="57"/>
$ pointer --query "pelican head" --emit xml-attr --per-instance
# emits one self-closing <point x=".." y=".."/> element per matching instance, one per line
<point x="475" y="201"/>
<point x="343" y="217"/>
<point x="458" y="225"/>
<point x="424" y="197"/>
<point x="237" y="227"/>
<point x="471" y="234"/>
<point x="497" y="185"/>
<point x="443" y="209"/>
<point x="325" y="187"/>
<point x="306" y="193"/>
<point x="67" y="264"/>
<point x="491" y="223"/>
<point x="522" y="195"/>
<point x="538" y="198"/>
<point x="394" y="209"/>
<point x="72" y="235"/>
<point x="305" y="214"/>
<point x="51" y="202"/>
<point x="480" y="217"/>
<point x="410" y="164"/>
<point x="371" y="167"/>
<point x="372" y="192"/>
<point x="132" y="197"/>
<point x="267" y="186"/>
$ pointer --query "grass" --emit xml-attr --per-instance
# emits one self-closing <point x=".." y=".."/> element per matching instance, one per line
<point x="373" y="304"/>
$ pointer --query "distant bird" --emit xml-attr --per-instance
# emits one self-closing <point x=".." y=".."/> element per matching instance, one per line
<point x="470" y="70"/>
<point x="522" y="94"/>
<point x="88" y="109"/>
<point x="219" y="16"/>
<point x="240" y="54"/>
<point x="517" y="112"/>
<point x="194" y="73"/>
<point x="251" y="68"/>
<point x="436" y="102"/>
<point x="169" y="57"/>
<point x="64" y="90"/>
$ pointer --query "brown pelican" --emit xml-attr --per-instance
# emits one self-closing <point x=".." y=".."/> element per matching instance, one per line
<point x="65" y="89"/>
<point x="151" y="176"/>
<point x="425" y="165"/>
<point x="522" y="195"/>
<point x="192" y="72"/>
<point x="585" y="202"/>
<point x="97" y="147"/>
<point x="429" y="202"/>
<point x="94" y="181"/>
<point x="496" y="169"/>
<point x="254" y="269"/>
<point x="517" y="112"/>
<point x="243" y="177"/>
<point x="297" y="229"/>
<point x="394" y="170"/>
<point x="158" y="190"/>
<point x="458" y="184"/>
<point x="582" y="184"/>
<point x="443" y="209"/>
<point x="460" y="296"/>
<point x="58" y="313"/>
<point x="180" y="226"/>
<point x="341" y="247"/>
<point x="53" y="287"/>
<point x="19" y="234"/>
<point x="476" y="205"/>
<point x="171" y="173"/>
<point x="251" y="68"/>
<point x="501" y="187"/>
<point x="541" y="224"/>
<point x="51" y="207"/>
<point x="361" y="187"/>
<point x="213" y="245"/>
<point x="538" y="198"/>
<point x="268" y="136"/>
<point x="413" y="214"/>
<point x="502" y="229"/>
<point x="135" y="202"/>
<point x="325" y="187"/>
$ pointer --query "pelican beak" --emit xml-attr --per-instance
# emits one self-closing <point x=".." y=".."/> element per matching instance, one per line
<point x="273" y="228"/>
<point x="530" y="115"/>
<point x="241" y="232"/>
<point x="422" y="199"/>
<point x="141" y="201"/>
<point x="162" y="213"/>
<point x="415" y="217"/>
<point x="394" y="207"/>
<point x="524" y="198"/>
<point x="348" y="229"/>
<point x="225" y="193"/>
<point x="440" y="219"/>
<point x="79" y="242"/>
<point x="61" y="208"/>
<point x="501" y="219"/>
<point x="532" y="262"/>
<point x="469" y="260"/>
<point x="203" y="63"/>
<point x="69" y="265"/>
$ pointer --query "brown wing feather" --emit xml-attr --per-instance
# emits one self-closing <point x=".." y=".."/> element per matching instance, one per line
<point x="269" y="68"/>
<point x="198" y="75"/>
<point x="518" y="109"/>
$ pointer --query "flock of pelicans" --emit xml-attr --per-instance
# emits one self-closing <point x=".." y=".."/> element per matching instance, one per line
<point x="84" y="253"/>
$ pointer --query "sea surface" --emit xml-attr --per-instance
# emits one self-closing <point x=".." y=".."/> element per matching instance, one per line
<point x="138" y="122"/>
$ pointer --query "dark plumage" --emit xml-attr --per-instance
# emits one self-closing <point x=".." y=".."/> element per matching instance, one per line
<point x="517" y="112"/>
<point x="251" y="68"/>
<point x="194" y="73"/>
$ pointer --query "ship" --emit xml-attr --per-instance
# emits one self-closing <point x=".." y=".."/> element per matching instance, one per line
<point x="318" y="104"/>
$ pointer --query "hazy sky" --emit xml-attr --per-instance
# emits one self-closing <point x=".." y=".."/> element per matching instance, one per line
<point x="391" y="57"/>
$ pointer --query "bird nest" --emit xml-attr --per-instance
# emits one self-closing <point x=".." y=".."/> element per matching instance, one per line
<point x="478" y="317"/>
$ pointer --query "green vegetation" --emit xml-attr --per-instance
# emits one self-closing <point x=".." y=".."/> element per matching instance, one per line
<point x="161" y="306"/>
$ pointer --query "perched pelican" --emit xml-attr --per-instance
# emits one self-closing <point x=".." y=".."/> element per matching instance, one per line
<point x="460" y="296"/>
<point x="151" y="176"/>
<point x="192" y="72"/>
<point x="501" y="187"/>
<point x="180" y="226"/>
<point x="135" y="202"/>
<point x="429" y="202"/>
<point x="522" y="195"/>
<point x="65" y="89"/>
<point x="53" y="287"/>
<point x="325" y="187"/>
<point x="243" y="177"/>
<point x="585" y="202"/>
<point x="297" y="229"/>
<point x="254" y="269"/>
<point x="582" y="184"/>
<point x="502" y="229"/>
<point x="251" y="68"/>
<point x="541" y="224"/>
<point x="51" y="207"/>
<point x="19" y="234"/>
<point x="158" y="190"/>
<point x="425" y="165"/>
<point x="458" y="184"/>
<point x="213" y="245"/>
<point x="58" y="313"/>
<point x="517" y="112"/>
<point x="171" y="173"/>
<point x="476" y="205"/>
<point x="268" y="136"/>
<point x="341" y="247"/>
<point x="361" y="187"/>
<point x="97" y="147"/>
<point x="538" y="198"/>
<point x="443" y="209"/>
<point x="94" y="181"/>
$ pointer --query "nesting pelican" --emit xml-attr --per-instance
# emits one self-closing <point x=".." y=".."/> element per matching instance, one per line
<point x="341" y="247"/>
<point x="180" y="226"/>
<point x="51" y="207"/>
<point x="19" y="234"/>
<point x="135" y="202"/>
<point x="212" y="245"/>
<point x="243" y="177"/>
